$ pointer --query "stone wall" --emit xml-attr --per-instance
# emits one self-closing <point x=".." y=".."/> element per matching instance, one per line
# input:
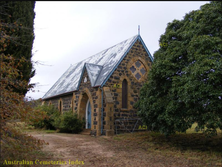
<point x="66" y="102"/>
<point x="124" y="71"/>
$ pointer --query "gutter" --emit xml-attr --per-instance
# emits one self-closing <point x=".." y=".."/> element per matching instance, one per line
<point x="56" y="96"/>
<point x="102" y="112"/>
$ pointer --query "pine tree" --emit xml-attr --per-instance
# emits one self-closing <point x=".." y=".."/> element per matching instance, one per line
<point x="20" y="15"/>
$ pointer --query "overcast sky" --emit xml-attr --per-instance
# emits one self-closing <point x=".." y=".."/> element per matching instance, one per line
<point x="67" y="32"/>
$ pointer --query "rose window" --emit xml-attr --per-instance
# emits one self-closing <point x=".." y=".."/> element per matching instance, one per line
<point x="138" y="69"/>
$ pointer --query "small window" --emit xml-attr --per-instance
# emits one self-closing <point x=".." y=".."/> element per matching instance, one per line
<point x="72" y="104"/>
<point x="133" y="69"/>
<point x="138" y="76"/>
<point x="138" y="64"/>
<point x="60" y="106"/>
<point x="43" y="103"/>
<point x="124" y="94"/>
<point x="143" y="71"/>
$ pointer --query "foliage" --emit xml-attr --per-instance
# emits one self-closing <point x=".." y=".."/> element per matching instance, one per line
<point x="17" y="146"/>
<point x="52" y="119"/>
<point x="185" y="83"/>
<point x="17" y="19"/>
<point x="14" y="144"/>
<point x="47" y="120"/>
<point x="13" y="106"/>
<point x="69" y="122"/>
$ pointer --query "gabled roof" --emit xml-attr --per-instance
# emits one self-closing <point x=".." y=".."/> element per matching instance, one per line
<point x="93" y="71"/>
<point x="99" y="68"/>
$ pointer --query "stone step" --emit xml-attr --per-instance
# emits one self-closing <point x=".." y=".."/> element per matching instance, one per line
<point x="85" y="132"/>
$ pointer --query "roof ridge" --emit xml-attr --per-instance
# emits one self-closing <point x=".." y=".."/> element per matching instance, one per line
<point x="105" y="50"/>
<point x="136" y="37"/>
<point x="94" y="64"/>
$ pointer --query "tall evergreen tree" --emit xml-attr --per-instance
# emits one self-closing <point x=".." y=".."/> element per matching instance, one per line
<point x="18" y="16"/>
<point x="185" y="82"/>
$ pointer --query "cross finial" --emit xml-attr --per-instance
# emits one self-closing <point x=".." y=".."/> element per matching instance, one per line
<point x="138" y="29"/>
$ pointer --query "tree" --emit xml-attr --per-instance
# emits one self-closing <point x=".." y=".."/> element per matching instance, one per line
<point x="15" y="145"/>
<point x="19" y="16"/>
<point x="185" y="83"/>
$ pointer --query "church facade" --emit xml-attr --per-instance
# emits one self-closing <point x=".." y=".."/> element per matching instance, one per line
<point x="104" y="87"/>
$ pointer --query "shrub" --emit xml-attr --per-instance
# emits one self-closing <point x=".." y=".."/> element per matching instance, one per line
<point x="17" y="146"/>
<point x="49" y="115"/>
<point x="68" y="122"/>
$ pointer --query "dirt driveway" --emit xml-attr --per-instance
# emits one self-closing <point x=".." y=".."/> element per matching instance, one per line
<point x="88" y="151"/>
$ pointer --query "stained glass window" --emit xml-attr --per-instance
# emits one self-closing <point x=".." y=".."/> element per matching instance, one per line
<point x="138" y="69"/>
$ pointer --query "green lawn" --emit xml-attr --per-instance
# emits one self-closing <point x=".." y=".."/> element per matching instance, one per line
<point x="192" y="130"/>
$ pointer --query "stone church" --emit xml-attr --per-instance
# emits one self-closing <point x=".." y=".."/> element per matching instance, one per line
<point x="104" y="87"/>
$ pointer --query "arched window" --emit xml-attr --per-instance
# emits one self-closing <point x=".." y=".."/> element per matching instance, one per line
<point x="43" y="103"/>
<point x="60" y="106"/>
<point x="124" y="94"/>
<point x="72" y="104"/>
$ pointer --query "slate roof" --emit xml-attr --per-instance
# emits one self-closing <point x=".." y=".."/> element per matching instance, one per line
<point x="99" y="68"/>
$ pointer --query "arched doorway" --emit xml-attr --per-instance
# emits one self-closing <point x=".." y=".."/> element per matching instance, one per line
<point x="85" y="109"/>
<point x="88" y="115"/>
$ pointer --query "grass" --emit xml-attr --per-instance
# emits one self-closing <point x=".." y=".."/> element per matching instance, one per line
<point x="40" y="131"/>
<point x="192" y="129"/>
<point x="24" y="128"/>
<point x="17" y="146"/>
<point x="197" y="148"/>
